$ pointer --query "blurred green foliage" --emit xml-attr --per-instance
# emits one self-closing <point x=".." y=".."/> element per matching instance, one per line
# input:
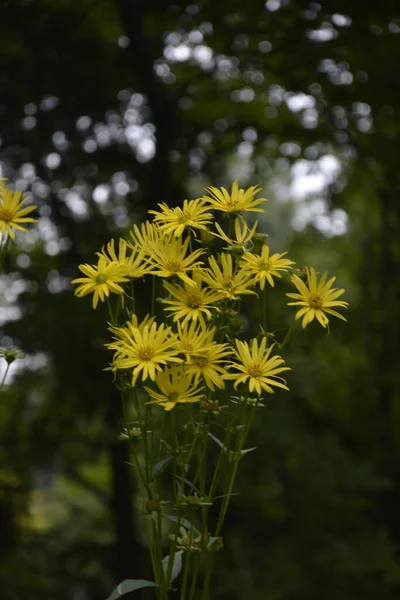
<point x="110" y="106"/>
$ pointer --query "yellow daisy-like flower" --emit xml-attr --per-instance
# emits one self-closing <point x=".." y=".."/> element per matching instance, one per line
<point x="239" y="200"/>
<point x="191" y="301"/>
<point x="133" y="264"/>
<point x="168" y="258"/>
<point x="194" y="338"/>
<point x="144" y="236"/>
<point x="124" y="334"/>
<point x="145" y="351"/>
<point x="316" y="298"/>
<point x="11" y="212"/>
<point x="258" y="367"/>
<point x="176" y="387"/>
<point x="193" y="215"/>
<point x="265" y="267"/>
<point x="208" y="365"/>
<point x="101" y="279"/>
<point x="224" y="280"/>
<point x="243" y="234"/>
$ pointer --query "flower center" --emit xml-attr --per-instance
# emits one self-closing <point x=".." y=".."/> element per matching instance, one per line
<point x="146" y="353"/>
<point x="194" y="301"/>
<point x="254" y="371"/>
<point x="173" y="397"/>
<point x="263" y="266"/>
<point x="6" y="215"/>
<point x="201" y="361"/>
<point x="315" y="301"/>
<point x="173" y="266"/>
<point x="101" y="278"/>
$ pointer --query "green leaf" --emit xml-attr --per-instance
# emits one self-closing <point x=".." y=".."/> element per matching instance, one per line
<point x="215" y="543"/>
<point x="217" y="441"/>
<point x="185" y="523"/>
<point x="176" y="567"/>
<point x="130" y="585"/>
<point x="243" y="452"/>
<point x="160" y="466"/>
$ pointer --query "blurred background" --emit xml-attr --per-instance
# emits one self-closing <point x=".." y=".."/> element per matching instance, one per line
<point x="110" y="106"/>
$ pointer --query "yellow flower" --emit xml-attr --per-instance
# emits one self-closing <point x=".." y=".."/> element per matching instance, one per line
<point x="101" y="279"/>
<point x="243" y="235"/>
<point x="193" y="338"/>
<point x="175" y="386"/>
<point x="257" y="366"/>
<point x="168" y="258"/>
<point x="132" y="265"/>
<point x="207" y="364"/>
<point x="224" y="280"/>
<point x="192" y="215"/>
<point x="191" y="301"/>
<point x="239" y="200"/>
<point x="144" y="235"/>
<point x="145" y="351"/>
<point x="316" y="298"/>
<point x="12" y="213"/>
<point x="124" y="334"/>
<point x="265" y="267"/>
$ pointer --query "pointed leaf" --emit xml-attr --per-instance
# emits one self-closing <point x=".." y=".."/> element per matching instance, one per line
<point x="176" y="567"/>
<point x="160" y="466"/>
<point x="217" y="441"/>
<point x="130" y="585"/>
<point x="243" y="452"/>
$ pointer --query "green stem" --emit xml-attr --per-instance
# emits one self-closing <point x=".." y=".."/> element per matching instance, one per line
<point x="288" y="335"/>
<point x="153" y="294"/>
<point x="5" y="375"/>
<point x="264" y="308"/>
<point x="185" y="575"/>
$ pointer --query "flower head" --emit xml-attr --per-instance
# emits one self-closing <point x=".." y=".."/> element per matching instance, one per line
<point x="193" y="215"/>
<point x="224" y="280"/>
<point x="11" y="212"/>
<point x="194" y="338"/>
<point x="243" y="234"/>
<point x="168" y="258"/>
<point x="144" y="235"/>
<point x="175" y="386"/>
<point x="238" y="200"/>
<point x="101" y="279"/>
<point x="191" y="301"/>
<point x="145" y="351"/>
<point x="208" y="365"/>
<point x="316" y="298"/>
<point x="257" y="367"/>
<point x="265" y="266"/>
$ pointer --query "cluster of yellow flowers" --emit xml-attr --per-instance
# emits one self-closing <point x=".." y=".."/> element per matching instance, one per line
<point x="183" y="357"/>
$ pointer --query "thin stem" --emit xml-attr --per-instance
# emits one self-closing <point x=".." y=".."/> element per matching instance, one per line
<point x="185" y="575"/>
<point x="5" y="375"/>
<point x="153" y="294"/>
<point x="264" y="308"/>
<point x="194" y="576"/>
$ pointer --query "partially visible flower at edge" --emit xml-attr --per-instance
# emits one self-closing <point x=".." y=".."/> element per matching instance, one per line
<point x="12" y="213"/>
